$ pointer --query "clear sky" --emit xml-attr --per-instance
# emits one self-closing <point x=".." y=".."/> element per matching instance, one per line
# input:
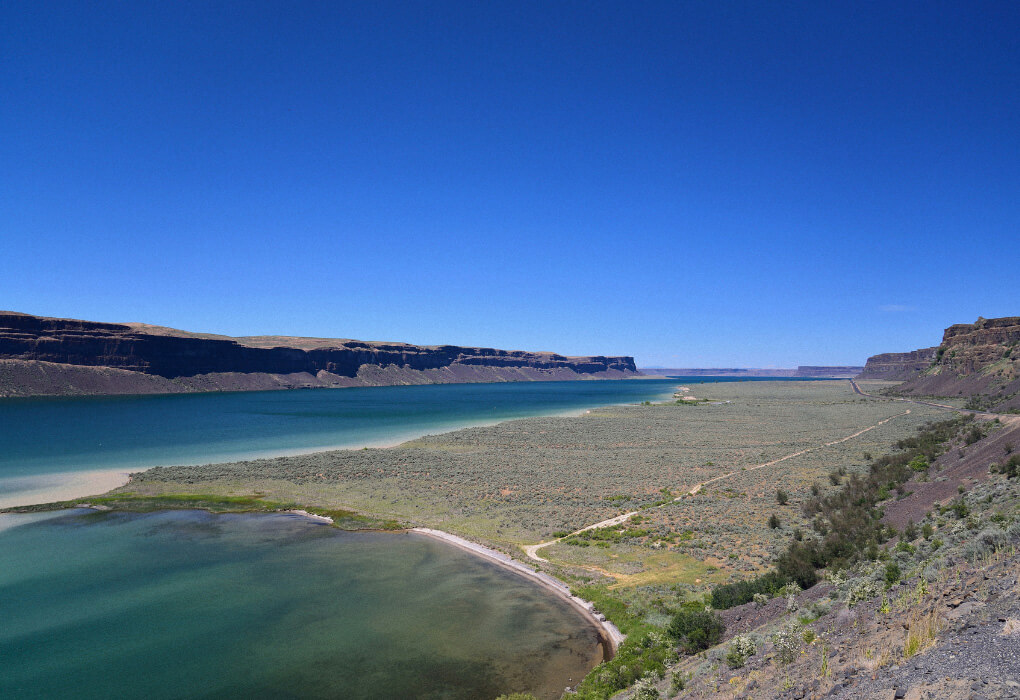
<point x="692" y="183"/>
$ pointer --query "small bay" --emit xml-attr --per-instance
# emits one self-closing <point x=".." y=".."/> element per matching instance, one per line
<point x="188" y="604"/>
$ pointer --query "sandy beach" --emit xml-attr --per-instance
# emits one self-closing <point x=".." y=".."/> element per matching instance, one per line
<point x="610" y="632"/>
<point x="60" y="486"/>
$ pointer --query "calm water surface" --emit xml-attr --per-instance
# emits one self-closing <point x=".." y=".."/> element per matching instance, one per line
<point x="187" y="604"/>
<point x="50" y="435"/>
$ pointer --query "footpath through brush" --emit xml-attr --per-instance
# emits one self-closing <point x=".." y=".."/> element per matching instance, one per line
<point x="532" y="549"/>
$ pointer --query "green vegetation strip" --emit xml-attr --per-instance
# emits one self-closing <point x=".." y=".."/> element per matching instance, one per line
<point x="848" y="523"/>
<point x="343" y="519"/>
<point x="646" y="651"/>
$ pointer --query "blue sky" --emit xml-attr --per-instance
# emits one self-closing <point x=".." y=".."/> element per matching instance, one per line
<point x="691" y="183"/>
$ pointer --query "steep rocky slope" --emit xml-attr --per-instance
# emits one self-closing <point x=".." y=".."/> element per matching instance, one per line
<point x="65" y="356"/>
<point x="979" y="360"/>
<point x="936" y="616"/>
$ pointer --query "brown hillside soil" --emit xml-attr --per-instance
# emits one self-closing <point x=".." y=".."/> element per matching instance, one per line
<point x="961" y="465"/>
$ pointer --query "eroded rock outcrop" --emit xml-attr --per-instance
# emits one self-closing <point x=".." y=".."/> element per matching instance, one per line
<point x="40" y="355"/>
<point x="898" y="366"/>
<point x="980" y="361"/>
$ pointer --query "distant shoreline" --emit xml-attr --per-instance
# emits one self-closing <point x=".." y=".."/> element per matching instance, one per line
<point x="67" y="485"/>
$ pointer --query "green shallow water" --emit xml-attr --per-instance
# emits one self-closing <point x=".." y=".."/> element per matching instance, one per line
<point x="187" y="604"/>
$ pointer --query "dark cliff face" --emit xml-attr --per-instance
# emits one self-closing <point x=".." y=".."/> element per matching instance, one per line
<point x="839" y="371"/>
<point x="979" y="360"/>
<point x="971" y="347"/>
<point x="121" y="346"/>
<point x="898" y="366"/>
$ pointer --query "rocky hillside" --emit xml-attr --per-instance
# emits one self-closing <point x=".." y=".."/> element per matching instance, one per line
<point x="978" y="360"/>
<point x="934" y="615"/>
<point x="45" y="356"/>
<point x="898" y="366"/>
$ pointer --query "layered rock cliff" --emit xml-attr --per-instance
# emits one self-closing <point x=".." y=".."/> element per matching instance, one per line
<point x="65" y="356"/>
<point x="980" y="361"/>
<point x="816" y="371"/>
<point x="828" y="372"/>
<point x="898" y="366"/>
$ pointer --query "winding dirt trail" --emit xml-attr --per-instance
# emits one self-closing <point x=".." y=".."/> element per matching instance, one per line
<point x="532" y="549"/>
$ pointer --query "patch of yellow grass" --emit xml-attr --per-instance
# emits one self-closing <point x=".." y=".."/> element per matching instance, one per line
<point x="921" y="633"/>
<point x="670" y="567"/>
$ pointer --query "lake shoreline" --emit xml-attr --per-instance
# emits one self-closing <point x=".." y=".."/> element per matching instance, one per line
<point x="69" y="484"/>
<point x="41" y="489"/>
<point x="609" y="634"/>
<point x="81" y="484"/>
<point x="75" y="486"/>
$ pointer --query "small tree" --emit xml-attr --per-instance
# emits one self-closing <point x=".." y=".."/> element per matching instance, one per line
<point x="781" y="497"/>
<point x="774" y="521"/>
<point x="892" y="573"/>
<point x="910" y="532"/>
<point x="696" y="630"/>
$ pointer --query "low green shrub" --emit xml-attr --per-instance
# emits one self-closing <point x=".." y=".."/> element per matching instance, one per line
<point x="729" y="595"/>
<point x="892" y="573"/>
<point x="646" y="651"/>
<point x="695" y="629"/>
<point x="741" y="649"/>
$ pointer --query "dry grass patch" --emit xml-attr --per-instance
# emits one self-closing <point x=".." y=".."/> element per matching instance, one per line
<point x="922" y="631"/>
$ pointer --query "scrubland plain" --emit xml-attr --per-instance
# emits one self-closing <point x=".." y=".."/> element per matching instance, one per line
<point x="710" y="494"/>
<point x="535" y="479"/>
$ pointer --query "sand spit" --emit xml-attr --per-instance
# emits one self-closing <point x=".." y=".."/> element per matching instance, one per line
<point x="311" y="516"/>
<point x="610" y="632"/>
<point x="60" y="486"/>
<point x="611" y="636"/>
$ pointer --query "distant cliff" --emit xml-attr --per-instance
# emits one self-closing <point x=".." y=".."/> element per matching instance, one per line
<point x="898" y="366"/>
<point x="65" y="356"/>
<point x="838" y="372"/>
<point x="978" y="360"/>
<point x="821" y="371"/>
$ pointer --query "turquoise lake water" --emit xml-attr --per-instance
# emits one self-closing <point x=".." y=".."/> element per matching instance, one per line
<point x="51" y="435"/>
<point x="187" y="604"/>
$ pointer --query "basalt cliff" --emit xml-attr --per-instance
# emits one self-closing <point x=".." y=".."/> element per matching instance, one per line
<point x="56" y="356"/>
<point x="980" y="361"/>
<point x="813" y="371"/>
<point x="898" y="366"/>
